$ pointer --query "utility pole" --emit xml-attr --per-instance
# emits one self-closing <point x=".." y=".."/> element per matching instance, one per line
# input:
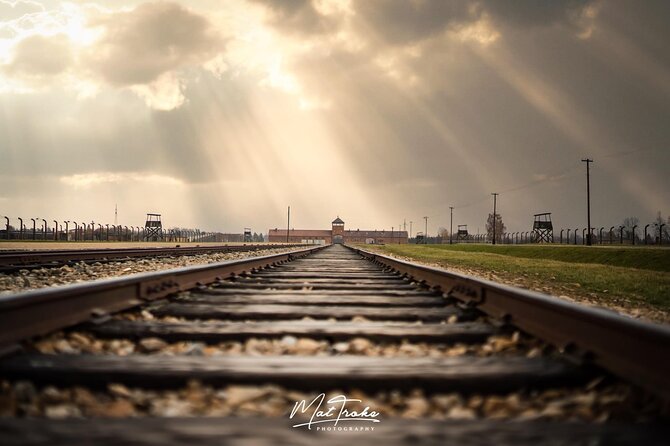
<point x="495" y="196"/>
<point x="425" y="234"/>
<point x="410" y="229"/>
<point x="288" y="223"/>
<point x="588" y="199"/>
<point x="451" y="224"/>
<point x="116" y="215"/>
<point x="404" y="225"/>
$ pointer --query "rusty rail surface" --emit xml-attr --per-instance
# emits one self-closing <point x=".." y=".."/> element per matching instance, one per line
<point x="634" y="350"/>
<point x="32" y="313"/>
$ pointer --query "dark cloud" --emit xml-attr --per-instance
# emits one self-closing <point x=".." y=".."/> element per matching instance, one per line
<point x="39" y="56"/>
<point x="140" y="45"/>
<point x="406" y="21"/>
<point x="531" y="13"/>
<point x="39" y="137"/>
<point x="298" y="16"/>
<point x="400" y="21"/>
<point x="385" y="125"/>
<point x="116" y="133"/>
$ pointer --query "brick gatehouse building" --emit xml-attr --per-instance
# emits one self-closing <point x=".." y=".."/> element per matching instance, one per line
<point x="337" y="234"/>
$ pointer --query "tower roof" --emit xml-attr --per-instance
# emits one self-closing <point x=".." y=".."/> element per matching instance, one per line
<point x="338" y="221"/>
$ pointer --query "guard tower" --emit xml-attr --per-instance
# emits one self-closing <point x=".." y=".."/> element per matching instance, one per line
<point x="153" y="228"/>
<point x="338" y="230"/>
<point x="419" y="238"/>
<point x="247" y="235"/>
<point x="462" y="233"/>
<point x="543" y="229"/>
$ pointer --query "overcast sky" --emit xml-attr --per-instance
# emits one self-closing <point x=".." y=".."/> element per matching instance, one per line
<point x="219" y="114"/>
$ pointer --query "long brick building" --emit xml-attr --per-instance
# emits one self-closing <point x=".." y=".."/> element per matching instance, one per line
<point x="337" y="234"/>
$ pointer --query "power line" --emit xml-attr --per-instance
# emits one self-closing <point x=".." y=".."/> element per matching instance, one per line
<point x="627" y="152"/>
<point x="559" y="176"/>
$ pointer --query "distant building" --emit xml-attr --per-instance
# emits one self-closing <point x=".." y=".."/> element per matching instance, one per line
<point x="337" y="234"/>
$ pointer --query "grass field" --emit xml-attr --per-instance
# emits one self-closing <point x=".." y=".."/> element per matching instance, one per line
<point x="630" y="257"/>
<point x="633" y="279"/>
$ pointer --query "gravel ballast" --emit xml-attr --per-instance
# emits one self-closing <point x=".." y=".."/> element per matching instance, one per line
<point x="82" y="272"/>
<point x="79" y="342"/>
<point x="597" y="402"/>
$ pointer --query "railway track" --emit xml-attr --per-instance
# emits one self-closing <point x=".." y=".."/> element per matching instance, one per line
<point x="441" y="357"/>
<point x="14" y="260"/>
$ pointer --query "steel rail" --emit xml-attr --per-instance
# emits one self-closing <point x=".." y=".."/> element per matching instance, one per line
<point x="40" y="311"/>
<point x="633" y="350"/>
<point x="25" y="257"/>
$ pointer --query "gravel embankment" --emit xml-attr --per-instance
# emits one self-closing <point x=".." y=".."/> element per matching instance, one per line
<point x="82" y="272"/>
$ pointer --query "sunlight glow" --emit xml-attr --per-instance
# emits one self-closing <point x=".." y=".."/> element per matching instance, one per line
<point x="88" y="180"/>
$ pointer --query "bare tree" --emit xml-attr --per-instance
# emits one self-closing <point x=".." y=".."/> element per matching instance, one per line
<point x="629" y="223"/>
<point x="500" y="227"/>
<point x="443" y="234"/>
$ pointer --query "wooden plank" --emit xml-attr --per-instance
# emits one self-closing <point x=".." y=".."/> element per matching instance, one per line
<point x="343" y="260"/>
<point x="325" y="269"/>
<point x="337" y="261"/>
<point x="314" y="298"/>
<point x="461" y="373"/>
<point x="321" y="281"/>
<point x="316" y="286"/>
<point x="331" y="265"/>
<point x="278" y="312"/>
<point x="324" y="275"/>
<point x="333" y="256"/>
<point x="365" y="266"/>
<point x="389" y="431"/>
<point x="316" y="262"/>
<point x="356" y="291"/>
<point x="213" y="332"/>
